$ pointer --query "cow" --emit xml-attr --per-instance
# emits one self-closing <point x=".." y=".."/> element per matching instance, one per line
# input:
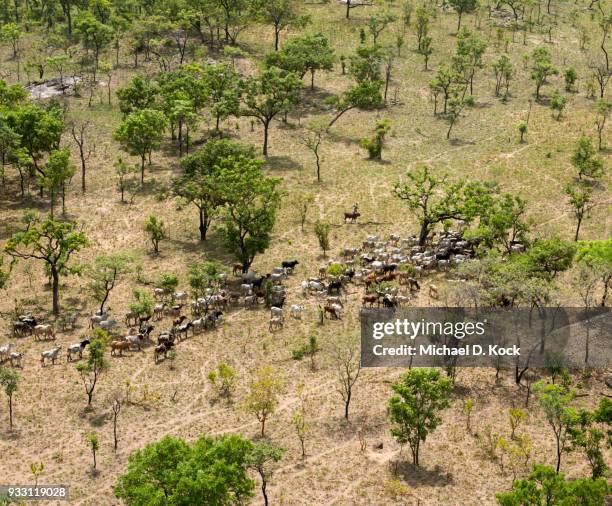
<point x="120" y="346"/>
<point x="296" y="311"/>
<point x="76" y="348"/>
<point x="15" y="358"/>
<point x="44" y="331"/>
<point x="289" y="265"/>
<point x="351" y="217"/>
<point x="333" y="311"/>
<point x="51" y="354"/>
<point x="276" y="323"/>
<point x="162" y="349"/>
<point x="369" y="299"/>
<point x="334" y="286"/>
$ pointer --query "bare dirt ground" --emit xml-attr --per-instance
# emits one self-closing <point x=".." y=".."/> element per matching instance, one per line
<point x="177" y="399"/>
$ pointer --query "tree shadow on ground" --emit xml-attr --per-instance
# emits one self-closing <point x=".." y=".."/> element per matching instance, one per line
<point x="418" y="476"/>
<point x="283" y="162"/>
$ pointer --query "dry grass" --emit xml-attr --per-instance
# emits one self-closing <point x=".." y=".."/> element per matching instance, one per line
<point x="50" y="416"/>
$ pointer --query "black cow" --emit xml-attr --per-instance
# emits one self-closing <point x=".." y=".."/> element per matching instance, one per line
<point x="289" y="264"/>
<point x="334" y="286"/>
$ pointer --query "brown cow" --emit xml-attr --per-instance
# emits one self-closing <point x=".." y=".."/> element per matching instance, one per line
<point x="119" y="345"/>
<point x="370" y="299"/>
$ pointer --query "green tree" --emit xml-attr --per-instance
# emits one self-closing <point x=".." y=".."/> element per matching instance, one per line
<point x="281" y="14"/>
<point x="463" y="7"/>
<point x="585" y="160"/>
<point x="597" y="256"/>
<point x="545" y="487"/>
<point x="571" y="76"/>
<point x="262" y="458"/>
<point x="211" y="471"/>
<point x="141" y="93"/>
<point x="554" y="401"/>
<point x="270" y="93"/>
<point x="321" y="230"/>
<point x="435" y="200"/>
<point x="202" y="275"/>
<point x="52" y="243"/>
<point x="426" y="50"/>
<point x="580" y="198"/>
<point x="202" y="182"/>
<point x="522" y="128"/>
<point x="374" y="146"/>
<point x="223" y="380"/>
<point x="58" y="170"/>
<point x="94" y="443"/>
<point x="366" y="94"/>
<point x="9" y="380"/>
<point x="223" y="91"/>
<point x="586" y="435"/>
<point x="156" y="229"/>
<point x="300" y="55"/>
<point x="252" y="201"/>
<point x="558" y="103"/>
<point x="542" y="68"/>
<point x="547" y="257"/>
<point x="379" y="22"/>
<point x="94" y="34"/>
<point x="91" y="370"/>
<point x="262" y="397"/>
<point x="140" y="133"/>
<point x="421" y="395"/>
<point x="504" y="72"/>
<point x="143" y="303"/>
<point x="11" y="33"/>
<point x="104" y="273"/>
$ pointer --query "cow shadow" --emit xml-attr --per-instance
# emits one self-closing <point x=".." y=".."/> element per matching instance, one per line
<point x="418" y="475"/>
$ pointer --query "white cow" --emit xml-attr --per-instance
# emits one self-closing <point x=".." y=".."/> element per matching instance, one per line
<point x="276" y="312"/>
<point x="5" y="351"/>
<point x="51" y="354"/>
<point x="296" y="311"/>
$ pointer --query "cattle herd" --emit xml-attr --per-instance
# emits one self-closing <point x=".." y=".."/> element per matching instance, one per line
<point x="390" y="271"/>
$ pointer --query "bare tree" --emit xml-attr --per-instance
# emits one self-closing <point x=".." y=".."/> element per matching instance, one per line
<point x="78" y="134"/>
<point x="345" y="356"/>
<point x="116" y="409"/>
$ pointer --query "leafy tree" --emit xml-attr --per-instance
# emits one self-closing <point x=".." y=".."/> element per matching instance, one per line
<point x="580" y="198"/>
<point x="262" y="398"/>
<point x="282" y="14"/>
<point x="223" y="91"/>
<point x="300" y="55"/>
<point x="603" y="109"/>
<point x="9" y="380"/>
<point x="250" y="213"/>
<point x="58" y="170"/>
<point x="597" y="256"/>
<point x="547" y="257"/>
<point x="374" y="146"/>
<point x="94" y="443"/>
<point x="502" y="223"/>
<point x="270" y="93"/>
<point x="91" y="370"/>
<point x="421" y="395"/>
<point x="470" y="51"/>
<point x="202" y="275"/>
<point x="94" y="35"/>
<point x="168" y="283"/>
<point x="379" y="22"/>
<point x="463" y="7"/>
<point x="571" y="76"/>
<point x="542" y="68"/>
<point x="426" y="50"/>
<point x="456" y="105"/>
<point x="435" y="200"/>
<point x="124" y="182"/>
<point x="365" y="68"/>
<point x="156" y="229"/>
<point x="140" y="133"/>
<point x="11" y="33"/>
<point x="444" y="82"/>
<point x="546" y="487"/>
<point x="586" y="161"/>
<point x="105" y="272"/>
<point x="39" y="131"/>
<point x="585" y="435"/>
<point x="203" y="180"/>
<point x="262" y="458"/>
<point x="211" y="471"/>
<point x="223" y="380"/>
<point x="557" y="103"/>
<point x="52" y="243"/>
<point x="554" y="401"/>
<point x="143" y="303"/>
<point x="503" y="74"/>
<point x="423" y="16"/>
<point x="321" y="230"/>
<point x="140" y="93"/>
